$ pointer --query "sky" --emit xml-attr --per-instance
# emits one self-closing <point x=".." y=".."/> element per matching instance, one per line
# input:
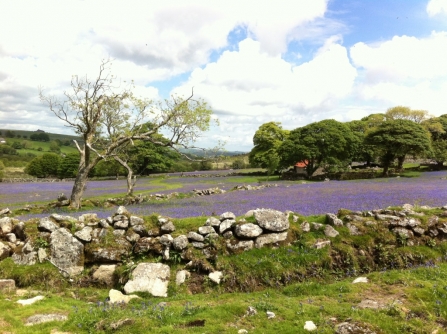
<point x="288" y="61"/>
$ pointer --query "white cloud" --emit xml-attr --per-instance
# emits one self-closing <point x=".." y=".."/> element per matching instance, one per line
<point x="251" y="82"/>
<point x="404" y="71"/>
<point x="436" y="7"/>
<point x="403" y="57"/>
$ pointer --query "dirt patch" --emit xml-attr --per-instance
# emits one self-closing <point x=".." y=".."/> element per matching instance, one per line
<point x="195" y="283"/>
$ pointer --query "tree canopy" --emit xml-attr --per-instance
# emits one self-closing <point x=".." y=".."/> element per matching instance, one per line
<point x="327" y="142"/>
<point x="109" y="117"/>
<point x="397" y="138"/>
<point x="267" y="139"/>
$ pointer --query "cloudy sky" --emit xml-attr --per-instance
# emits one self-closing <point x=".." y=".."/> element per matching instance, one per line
<point x="290" y="61"/>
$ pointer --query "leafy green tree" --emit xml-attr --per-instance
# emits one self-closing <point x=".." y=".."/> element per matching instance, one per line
<point x="398" y="138"/>
<point x="238" y="164"/>
<point x="401" y="112"/>
<point x="34" y="168"/>
<point x="68" y="166"/>
<point x="324" y="143"/>
<point x="40" y="136"/>
<point x="16" y="145"/>
<point x="267" y="140"/>
<point x="362" y="151"/>
<point x="44" y="166"/>
<point x="437" y="126"/>
<point x="10" y="134"/>
<point x="109" y="119"/>
<point x="54" y="147"/>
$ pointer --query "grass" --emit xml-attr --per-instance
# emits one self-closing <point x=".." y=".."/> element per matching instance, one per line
<point x="411" y="301"/>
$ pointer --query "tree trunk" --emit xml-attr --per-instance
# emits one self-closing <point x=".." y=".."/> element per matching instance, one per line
<point x="130" y="184"/>
<point x="400" y="163"/>
<point x="78" y="188"/>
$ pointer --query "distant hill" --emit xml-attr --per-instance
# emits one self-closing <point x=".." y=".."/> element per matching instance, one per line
<point x="27" y="134"/>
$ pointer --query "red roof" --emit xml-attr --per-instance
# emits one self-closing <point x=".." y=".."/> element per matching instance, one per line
<point x="301" y="164"/>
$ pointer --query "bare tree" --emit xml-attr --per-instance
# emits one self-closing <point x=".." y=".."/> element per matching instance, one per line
<point x="109" y="117"/>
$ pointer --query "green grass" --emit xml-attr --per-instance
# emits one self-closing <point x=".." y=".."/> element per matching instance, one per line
<point x="412" y="301"/>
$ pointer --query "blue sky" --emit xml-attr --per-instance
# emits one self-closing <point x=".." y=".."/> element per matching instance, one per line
<point x="289" y="61"/>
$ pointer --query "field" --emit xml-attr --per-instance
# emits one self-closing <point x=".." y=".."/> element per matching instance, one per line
<point x="406" y="291"/>
<point x="306" y="198"/>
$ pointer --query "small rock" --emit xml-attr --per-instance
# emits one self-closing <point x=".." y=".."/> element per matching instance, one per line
<point x="242" y="331"/>
<point x="120" y="323"/>
<point x="42" y="318"/>
<point x="7" y="285"/>
<point x="330" y="232"/>
<point x="270" y="315"/>
<point x="310" y="326"/>
<point x="181" y="276"/>
<point x="251" y="311"/>
<point x="116" y="296"/>
<point x="360" y="280"/>
<point x="215" y="276"/>
<point x="30" y="300"/>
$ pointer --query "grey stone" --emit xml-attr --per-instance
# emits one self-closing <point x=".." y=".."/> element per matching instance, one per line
<point x="215" y="276"/>
<point x="196" y="236"/>
<point x="305" y="226"/>
<point x="317" y="226"/>
<point x="330" y="232"/>
<point x="212" y="221"/>
<point x="226" y="225"/>
<point x="6" y="225"/>
<point x="240" y="245"/>
<point x="5" y="211"/>
<point x="403" y="232"/>
<point x="167" y="227"/>
<point x="181" y="277"/>
<point x="149" y="277"/>
<point x="271" y="238"/>
<point x="333" y="219"/>
<point x="5" y="251"/>
<point x="272" y="220"/>
<point x="166" y="240"/>
<point x="228" y="235"/>
<point x="42" y="318"/>
<point x="85" y="234"/>
<point x="206" y="230"/>
<point x="181" y="242"/>
<point x="321" y="244"/>
<point x="121" y="210"/>
<point x="419" y="231"/>
<point x="119" y="233"/>
<point x="132" y="237"/>
<point x="353" y="230"/>
<point x="249" y="230"/>
<point x="105" y="274"/>
<point x="134" y="220"/>
<point x="46" y="225"/>
<point x="116" y="297"/>
<point x="42" y="255"/>
<point x="140" y="229"/>
<point x="198" y="245"/>
<point x="67" y="252"/>
<point x="30" y="301"/>
<point x="104" y="224"/>
<point x="121" y="224"/>
<point x="88" y="218"/>
<point x="227" y="215"/>
<point x="11" y="237"/>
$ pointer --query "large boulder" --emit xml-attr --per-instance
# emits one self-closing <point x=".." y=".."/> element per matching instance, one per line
<point x="271" y="238"/>
<point x="5" y="251"/>
<point x="67" y="252"/>
<point x="181" y="242"/>
<point x="6" y="225"/>
<point x="149" y="277"/>
<point x="105" y="274"/>
<point x="272" y="220"/>
<point x="248" y="231"/>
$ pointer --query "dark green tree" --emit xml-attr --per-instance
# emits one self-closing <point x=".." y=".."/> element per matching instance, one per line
<point x="437" y="126"/>
<point x="267" y="140"/>
<point x="396" y="139"/>
<point x="68" y="166"/>
<point x="324" y="143"/>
